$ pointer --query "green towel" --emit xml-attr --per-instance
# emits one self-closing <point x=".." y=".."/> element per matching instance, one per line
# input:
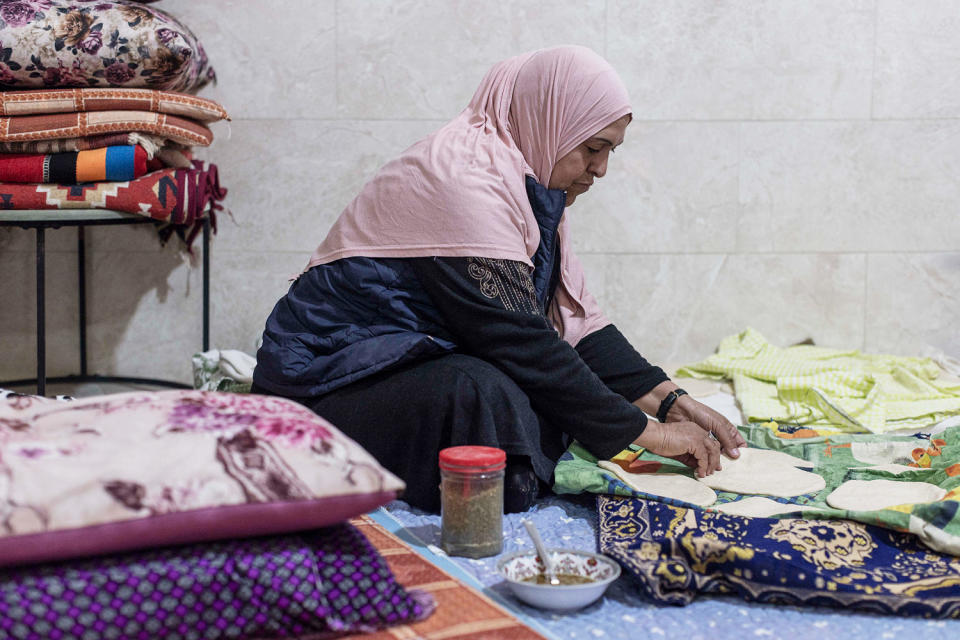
<point x="829" y="390"/>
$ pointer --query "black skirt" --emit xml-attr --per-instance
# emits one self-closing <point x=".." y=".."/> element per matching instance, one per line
<point x="405" y="415"/>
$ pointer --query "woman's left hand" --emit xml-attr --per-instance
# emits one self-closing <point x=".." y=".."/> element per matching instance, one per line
<point x="687" y="409"/>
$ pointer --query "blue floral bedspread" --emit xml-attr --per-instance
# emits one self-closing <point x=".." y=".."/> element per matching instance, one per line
<point x="676" y="553"/>
<point x="625" y="612"/>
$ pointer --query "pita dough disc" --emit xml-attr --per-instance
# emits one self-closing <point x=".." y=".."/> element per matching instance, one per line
<point x="870" y="495"/>
<point x="778" y="457"/>
<point x="757" y="507"/>
<point x="664" y="485"/>
<point x="696" y="387"/>
<point x="891" y="467"/>
<point x="766" y="473"/>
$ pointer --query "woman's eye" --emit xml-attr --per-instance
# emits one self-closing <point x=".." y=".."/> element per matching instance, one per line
<point x="592" y="150"/>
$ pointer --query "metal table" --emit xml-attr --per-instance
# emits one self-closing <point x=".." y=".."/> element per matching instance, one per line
<point x="41" y="220"/>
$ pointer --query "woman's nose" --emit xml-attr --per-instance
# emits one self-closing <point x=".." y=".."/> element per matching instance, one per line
<point x="599" y="168"/>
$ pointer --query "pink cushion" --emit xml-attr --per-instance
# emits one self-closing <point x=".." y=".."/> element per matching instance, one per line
<point x="138" y="470"/>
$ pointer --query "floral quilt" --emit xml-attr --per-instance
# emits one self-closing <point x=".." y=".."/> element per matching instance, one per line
<point x="135" y="470"/>
<point x="675" y="553"/>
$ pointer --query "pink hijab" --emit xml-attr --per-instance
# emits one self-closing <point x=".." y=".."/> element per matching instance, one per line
<point x="461" y="190"/>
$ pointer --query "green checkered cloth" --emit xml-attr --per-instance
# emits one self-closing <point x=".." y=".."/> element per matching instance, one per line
<point x="829" y="390"/>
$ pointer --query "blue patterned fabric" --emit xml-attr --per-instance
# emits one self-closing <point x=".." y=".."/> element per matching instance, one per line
<point x="675" y="553"/>
<point x="625" y="613"/>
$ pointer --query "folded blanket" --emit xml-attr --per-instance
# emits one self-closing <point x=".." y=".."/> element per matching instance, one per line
<point x="674" y="553"/>
<point x="74" y="125"/>
<point x="151" y="144"/>
<point x="830" y="390"/>
<point x="72" y="167"/>
<point x="181" y="198"/>
<point x="18" y="103"/>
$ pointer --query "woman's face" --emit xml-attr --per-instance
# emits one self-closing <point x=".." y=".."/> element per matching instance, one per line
<point x="577" y="170"/>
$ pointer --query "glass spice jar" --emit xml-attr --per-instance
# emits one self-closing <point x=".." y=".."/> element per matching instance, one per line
<point x="471" y="501"/>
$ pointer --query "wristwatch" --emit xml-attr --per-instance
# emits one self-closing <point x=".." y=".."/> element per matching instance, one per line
<point x="667" y="402"/>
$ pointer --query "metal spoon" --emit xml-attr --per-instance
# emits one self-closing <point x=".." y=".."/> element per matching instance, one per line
<point x="548" y="570"/>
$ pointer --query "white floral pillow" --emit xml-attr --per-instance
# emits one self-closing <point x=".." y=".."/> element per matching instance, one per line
<point x="118" y="43"/>
<point x="136" y="470"/>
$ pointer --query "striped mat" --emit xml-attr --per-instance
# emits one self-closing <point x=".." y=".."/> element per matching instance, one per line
<point x="462" y="613"/>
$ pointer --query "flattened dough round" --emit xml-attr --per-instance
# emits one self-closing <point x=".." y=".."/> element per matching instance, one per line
<point x="765" y="472"/>
<point x="883" y="452"/>
<point x="891" y="467"/>
<point x="664" y="485"/>
<point x="757" y="507"/>
<point x="870" y="495"/>
<point x="696" y="387"/>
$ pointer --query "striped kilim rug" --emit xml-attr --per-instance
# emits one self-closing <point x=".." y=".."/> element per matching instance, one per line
<point x="462" y="613"/>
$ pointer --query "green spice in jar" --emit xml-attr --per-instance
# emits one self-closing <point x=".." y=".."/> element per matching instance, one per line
<point x="471" y="485"/>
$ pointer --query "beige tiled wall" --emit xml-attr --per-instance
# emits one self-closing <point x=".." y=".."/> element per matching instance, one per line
<point x="792" y="166"/>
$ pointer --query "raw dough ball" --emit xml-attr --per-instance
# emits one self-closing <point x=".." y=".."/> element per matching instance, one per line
<point x="664" y="485"/>
<point x="765" y="472"/>
<point x="870" y="495"/>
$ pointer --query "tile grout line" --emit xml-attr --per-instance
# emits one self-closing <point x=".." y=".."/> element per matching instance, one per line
<point x="247" y="251"/>
<point x="866" y="290"/>
<point x="336" y="56"/>
<point x="606" y="21"/>
<point x="740" y="203"/>
<point x="852" y="252"/>
<point x="873" y="69"/>
<point x="636" y="119"/>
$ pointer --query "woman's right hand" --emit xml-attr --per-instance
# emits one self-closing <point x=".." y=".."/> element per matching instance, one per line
<point x="683" y="441"/>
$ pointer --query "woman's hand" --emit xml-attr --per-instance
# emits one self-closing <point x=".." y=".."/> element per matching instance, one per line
<point x="686" y="409"/>
<point x="684" y="441"/>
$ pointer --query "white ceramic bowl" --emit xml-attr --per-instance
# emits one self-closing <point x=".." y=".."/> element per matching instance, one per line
<point x="602" y="571"/>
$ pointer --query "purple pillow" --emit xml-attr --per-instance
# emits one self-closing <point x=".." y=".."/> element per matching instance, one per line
<point x="329" y="581"/>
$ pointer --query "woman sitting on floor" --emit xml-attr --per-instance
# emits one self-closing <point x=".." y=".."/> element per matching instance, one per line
<point x="445" y="306"/>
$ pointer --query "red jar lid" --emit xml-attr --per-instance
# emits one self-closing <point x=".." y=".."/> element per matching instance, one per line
<point x="472" y="459"/>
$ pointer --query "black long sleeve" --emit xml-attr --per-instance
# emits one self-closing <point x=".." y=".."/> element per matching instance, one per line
<point x="611" y="356"/>
<point x="491" y="309"/>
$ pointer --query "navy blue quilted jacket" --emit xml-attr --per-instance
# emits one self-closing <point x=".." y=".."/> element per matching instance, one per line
<point x="348" y="319"/>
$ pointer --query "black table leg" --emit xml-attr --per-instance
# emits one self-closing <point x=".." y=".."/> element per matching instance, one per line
<point x="84" y="376"/>
<point x="41" y="319"/>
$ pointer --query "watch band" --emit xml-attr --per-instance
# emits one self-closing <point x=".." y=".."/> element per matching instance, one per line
<point x="667" y="402"/>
